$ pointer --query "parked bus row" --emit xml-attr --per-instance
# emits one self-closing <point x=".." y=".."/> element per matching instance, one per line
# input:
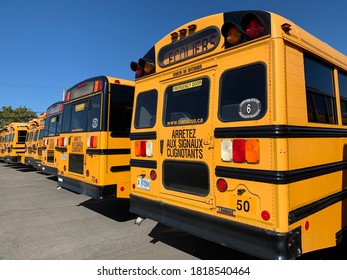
<point x="234" y="130"/>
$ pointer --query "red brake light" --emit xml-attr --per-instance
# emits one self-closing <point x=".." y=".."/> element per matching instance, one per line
<point x="239" y="147"/>
<point x="254" y="28"/>
<point x="143" y="148"/>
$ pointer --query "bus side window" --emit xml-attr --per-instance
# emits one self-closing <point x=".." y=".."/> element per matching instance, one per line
<point x="320" y="96"/>
<point x="343" y="96"/>
<point x="121" y="107"/>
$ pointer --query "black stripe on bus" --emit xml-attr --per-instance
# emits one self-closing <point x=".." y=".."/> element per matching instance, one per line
<point x="120" y="168"/>
<point x="143" y="163"/>
<point x="151" y="135"/>
<point x="279" y="177"/>
<point x="61" y="149"/>
<point x="279" y="131"/>
<point x="316" y="206"/>
<point x="108" y="151"/>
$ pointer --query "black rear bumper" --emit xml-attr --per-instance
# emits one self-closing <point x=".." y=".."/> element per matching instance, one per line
<point x="94" y="191"/>
<point x="261" y="243"/>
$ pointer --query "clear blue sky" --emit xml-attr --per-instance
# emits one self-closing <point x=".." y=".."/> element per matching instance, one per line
<point x="50" y="45"/>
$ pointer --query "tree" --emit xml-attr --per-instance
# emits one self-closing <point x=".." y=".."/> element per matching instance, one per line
<point x="20" y="114"/>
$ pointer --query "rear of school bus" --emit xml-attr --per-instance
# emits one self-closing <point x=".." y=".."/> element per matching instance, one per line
<point x="15" y="146"/>
<point x="50" y="138"/>
<point x="222" y="146"/>
<point x="93" y="145"/>
<point x="37" y="143"/>
<point x="28" y="158"/>
<point x="3" y="132"/>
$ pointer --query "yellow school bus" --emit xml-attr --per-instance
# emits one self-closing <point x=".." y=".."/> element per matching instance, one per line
<point x="94" y="145"/>
<point x="239" y="135"/>
<point x="3" y="133"/>
<point x="38" y="141"/>
<point x="28" y="157"/>
<point x="50" y="138"/>
<point x="33" y="142"/>
<point x="15" y="142"/>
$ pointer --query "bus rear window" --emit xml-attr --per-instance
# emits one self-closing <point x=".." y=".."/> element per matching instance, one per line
<point x="243" y="93"/>
<point x="82" y="115"/>
<point x="21" y="136"/>
<point x="187" y="103"/>
<point x="146" y="109"/>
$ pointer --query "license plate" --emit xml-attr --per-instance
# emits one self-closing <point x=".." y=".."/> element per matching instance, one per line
<point x="143" y="183"/>
<point x="63" y="156"/>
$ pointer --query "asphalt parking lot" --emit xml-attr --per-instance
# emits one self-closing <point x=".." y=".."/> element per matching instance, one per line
<point x="38" y="221"/>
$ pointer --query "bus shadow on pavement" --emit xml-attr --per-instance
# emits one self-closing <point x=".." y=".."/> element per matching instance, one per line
<point x="51" y="177"/>
<point x="23" y="168"/>
<point x="195" y="246"/>
<point x="115" y="209"/>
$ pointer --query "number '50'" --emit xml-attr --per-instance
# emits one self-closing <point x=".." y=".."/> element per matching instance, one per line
<point x="243" y="205"/>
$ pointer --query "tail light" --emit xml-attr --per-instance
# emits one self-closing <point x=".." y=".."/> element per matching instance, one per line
<point x="92" y="141"/>
<point x="62" y="141"/>
<point x="240" y="150"/>
<point x="144" y="148"/>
